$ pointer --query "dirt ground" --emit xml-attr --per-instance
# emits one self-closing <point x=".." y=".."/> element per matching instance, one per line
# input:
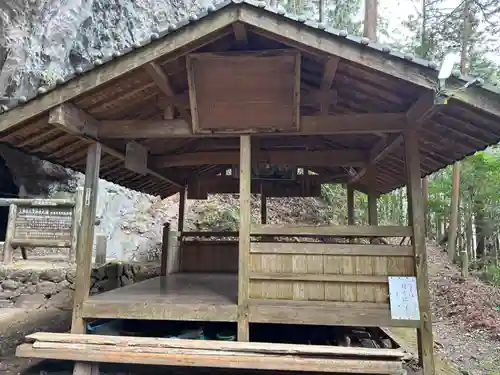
<point x="15" y="324"/>
<point x="466" y="317"/>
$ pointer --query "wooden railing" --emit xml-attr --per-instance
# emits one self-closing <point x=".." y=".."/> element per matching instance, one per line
<point x="331" y="230"/>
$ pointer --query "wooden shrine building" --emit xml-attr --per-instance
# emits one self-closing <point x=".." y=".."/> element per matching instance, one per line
<point x="248" y="99"/>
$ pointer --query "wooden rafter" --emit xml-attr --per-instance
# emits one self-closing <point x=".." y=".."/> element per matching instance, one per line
<point x="310" y="125"/>
<point x="73" y="120"/>
<point x="162" y="81"/>
<point x="298" y="157"/>
<point x="420" y="112"/>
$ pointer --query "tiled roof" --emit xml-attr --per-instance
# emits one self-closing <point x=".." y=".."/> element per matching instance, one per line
<point x="157" y="34"/>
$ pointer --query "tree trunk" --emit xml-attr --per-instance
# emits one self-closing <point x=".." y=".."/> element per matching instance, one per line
<point x="455" y="196"/>
<point x="425" y="192"/>
<point x="370" y="22"/>
<point x="321" y="11"/>
<point x="466" y="255"/>
<point x="480" y="229"/>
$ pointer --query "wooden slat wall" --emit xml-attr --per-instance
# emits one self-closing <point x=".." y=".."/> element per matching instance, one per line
<point x="209" y="256"/>
<point x="326" y="272"/>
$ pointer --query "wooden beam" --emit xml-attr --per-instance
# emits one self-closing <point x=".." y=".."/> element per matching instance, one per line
<point x="160" y="78"/>
<point x="244" y="238"/>
<point x="85" y="246"/>
<point x="162" y="81"/>
<point x="299" y="157"/>
<point x="136" y="157"/>
<point x="308" y="39"/>
<point x="70" y="119"/>
<point x="417" y="221"/>
<point x="201" y="187"/>
<point x="240" y="33"/>
<point x="366" y="123"/>
<point x="420" y="112"/>
<point x="326" y="82"/>
<point x="330" y="230"/>
<point x="176" y="44"/>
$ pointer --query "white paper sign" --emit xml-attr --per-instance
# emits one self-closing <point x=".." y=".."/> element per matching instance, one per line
<point x="403" y="298"/>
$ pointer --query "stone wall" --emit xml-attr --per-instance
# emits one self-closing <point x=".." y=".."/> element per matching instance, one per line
<point x="35" y="288"/>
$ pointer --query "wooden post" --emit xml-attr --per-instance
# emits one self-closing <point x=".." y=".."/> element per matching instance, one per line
<point x="84" y="250"/>
<point x="350" y="210"/>
<point x="182" y="208"/>
<point x="263" y="207"/>
<point x="77" y="218"/>
<point x="100" y="249"/>
<point x="244" y="244"/>
<point x="8" y="251"/>
<point x="350" y="205"/>
<point x="372" y="208"/>
<point x="164" y="250"/>
<point x="417" y="222"/>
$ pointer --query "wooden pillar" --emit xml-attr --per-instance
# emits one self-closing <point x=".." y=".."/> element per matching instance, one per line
<point x="77" y="218"/>
<point x="350" y="205"/>
<point x="84" y="250"/>
<point x="100" y="249"/>
<point x="372" y="208"/>
<point x="164" y="260"/>
<point x="263" y="208"/>
<point x="8" y="250"/>
<point x="182" y="208"/>
<point x="417" y="222"/>
<point x="244" y="239"/>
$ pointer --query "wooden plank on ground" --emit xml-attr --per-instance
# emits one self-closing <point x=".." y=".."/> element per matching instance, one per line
<point x="231" y="346"/>
<point x="113" y="354"/>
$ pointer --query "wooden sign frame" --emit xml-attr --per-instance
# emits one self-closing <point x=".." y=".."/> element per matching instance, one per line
<point x="26" y="223"/>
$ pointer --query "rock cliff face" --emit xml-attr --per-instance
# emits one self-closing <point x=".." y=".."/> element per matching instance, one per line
<point x="42" y="41"/>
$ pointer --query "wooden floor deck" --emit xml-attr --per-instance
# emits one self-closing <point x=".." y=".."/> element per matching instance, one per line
<point x="202" y="297"/>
